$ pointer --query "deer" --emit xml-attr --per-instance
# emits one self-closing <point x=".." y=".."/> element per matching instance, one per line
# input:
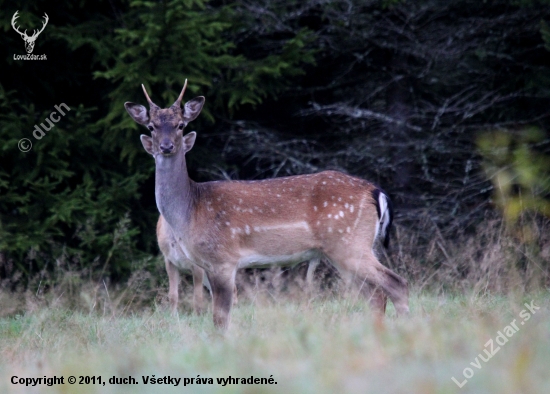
<point x="29" y="41"/>
<point x="223" y="226"/>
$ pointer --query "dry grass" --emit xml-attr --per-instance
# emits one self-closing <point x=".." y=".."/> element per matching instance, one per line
<point x="494" y="257"/>
<point x="491" y="259"/>
<point x="319" y="347"/>
<point x="464" y="290"/>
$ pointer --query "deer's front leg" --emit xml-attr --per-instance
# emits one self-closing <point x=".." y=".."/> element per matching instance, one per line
<point x="198" y="299"/>
<point x="312" y="266"/>
<point x="173" y="282"/>
<point x="223" y="286"/>
<point x="235" y="297"/>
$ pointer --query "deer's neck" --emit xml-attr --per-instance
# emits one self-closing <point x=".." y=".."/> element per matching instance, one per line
<point x="174" y="190"/>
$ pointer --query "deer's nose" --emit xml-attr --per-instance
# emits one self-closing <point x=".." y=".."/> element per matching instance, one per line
<point x="166" y="147"/>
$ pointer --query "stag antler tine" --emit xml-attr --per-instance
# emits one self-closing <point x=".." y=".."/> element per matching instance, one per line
<point x="177" y="103"/>
<point x="151" y="104"/>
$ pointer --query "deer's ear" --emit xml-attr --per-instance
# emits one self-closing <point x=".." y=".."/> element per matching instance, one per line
<point x="189" y="141"/>
<point x="192" y="109"/>
<point x="137" y="112"/>
<point x="147" y="143"/>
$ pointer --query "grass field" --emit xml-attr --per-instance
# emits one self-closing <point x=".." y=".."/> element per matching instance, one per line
<point x="323" y="346"/>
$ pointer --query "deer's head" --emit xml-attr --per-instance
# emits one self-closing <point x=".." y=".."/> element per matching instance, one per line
<point x="166" y="125"/>
<point x="29" y="41"/>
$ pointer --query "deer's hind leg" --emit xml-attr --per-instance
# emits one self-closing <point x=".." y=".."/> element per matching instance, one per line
<point x="376" y="282"/>
<point x="383" y="281"/>
<point x="375" y="295"/>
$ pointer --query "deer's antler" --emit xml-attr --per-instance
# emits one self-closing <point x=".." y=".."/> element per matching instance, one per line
<point x="177" y="103"/>
<point x="151" y="104"/>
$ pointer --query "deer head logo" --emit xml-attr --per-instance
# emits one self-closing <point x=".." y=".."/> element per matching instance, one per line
<point x="29" y="41"/>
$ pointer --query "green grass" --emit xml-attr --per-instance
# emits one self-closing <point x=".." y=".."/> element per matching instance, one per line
<point x="307" y="347"/>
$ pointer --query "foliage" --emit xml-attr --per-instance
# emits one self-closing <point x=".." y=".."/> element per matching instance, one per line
<point x="520" y="173"/>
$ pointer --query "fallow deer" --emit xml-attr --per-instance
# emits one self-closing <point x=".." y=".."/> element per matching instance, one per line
<point x="222" y="226"/>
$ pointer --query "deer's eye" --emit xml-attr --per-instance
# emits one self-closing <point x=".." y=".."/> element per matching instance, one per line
<point x="180" y="126"/>
<point x="150" y="128"/>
